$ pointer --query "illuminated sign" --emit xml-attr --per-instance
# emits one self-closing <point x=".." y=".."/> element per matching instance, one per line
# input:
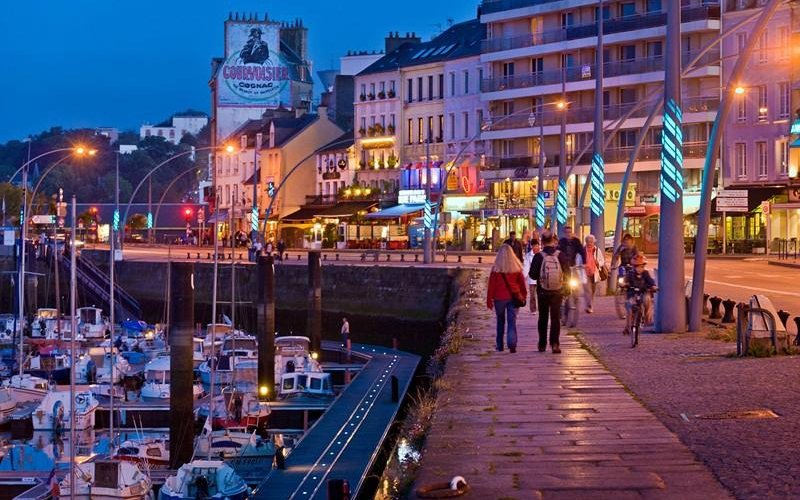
<point x="411" y="196"/>
<point x="795" y="130"/>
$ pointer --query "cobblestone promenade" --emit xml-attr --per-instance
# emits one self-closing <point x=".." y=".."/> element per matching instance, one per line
<point x="539" y="425"/>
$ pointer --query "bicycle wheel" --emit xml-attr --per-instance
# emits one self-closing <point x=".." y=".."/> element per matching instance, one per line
<point x="574" y="309"/>
<point x="619" y="303"/>
<point x="636" y="325"/>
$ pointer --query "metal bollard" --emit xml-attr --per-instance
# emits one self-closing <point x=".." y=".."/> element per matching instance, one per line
<point x="324" y="256"/>
<point x="198" y="255"/>
<point x="337" y="256"/>
<point x="459" y="259"/>
<point x="480" y="260"/>
<point x="416" y="257"/>
<point x="728" y="305"/>
<point x="444" y="258"/>
<point x="784" y="316"/>
<point x="363" y="257"/>
<point x="706" y="310"/>
<point x="402" y="257"/>
<point x="298" y="256"/>
<point x="388" y="257"/>
<point x="715" y="312"/>
<point x="741" y="324"/>
<point x="188" y="255"/>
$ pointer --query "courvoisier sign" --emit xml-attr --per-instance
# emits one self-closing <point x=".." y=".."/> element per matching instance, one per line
<point x="254" y="73"/>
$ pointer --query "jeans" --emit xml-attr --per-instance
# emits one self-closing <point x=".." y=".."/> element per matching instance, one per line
<point x="506" y="311"/>
<point x="549" y="308"/>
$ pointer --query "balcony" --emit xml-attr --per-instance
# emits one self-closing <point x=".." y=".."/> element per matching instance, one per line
<point x="552" y="117"/>
<point x="493" y="6"/>
<point x="420" y="150"/>
<point x="321" y="200"/>
<point x="620" y="25"/>
<point x="648" y="152"/>
<point x="587" y="71"/>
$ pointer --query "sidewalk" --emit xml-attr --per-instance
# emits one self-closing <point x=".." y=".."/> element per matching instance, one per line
<point x="544" y="426"/>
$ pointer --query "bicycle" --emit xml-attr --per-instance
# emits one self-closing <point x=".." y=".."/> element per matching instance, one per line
<point x="637" y="311"/>
<point x="620" y="299"/>
<point x="571" y="305"/>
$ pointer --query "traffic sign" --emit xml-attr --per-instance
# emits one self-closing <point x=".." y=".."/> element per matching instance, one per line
<point x="43" y="219"/>
<point x="732" y="193"/>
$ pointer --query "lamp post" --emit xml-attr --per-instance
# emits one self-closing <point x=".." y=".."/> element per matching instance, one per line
<point x="427" y="218"/>
<point x="561" y="190"/>
<point x="254" y="211"/>
<point x="597" y="174"/>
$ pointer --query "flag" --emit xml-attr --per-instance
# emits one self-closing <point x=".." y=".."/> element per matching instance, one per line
<point x="207" y="427"/>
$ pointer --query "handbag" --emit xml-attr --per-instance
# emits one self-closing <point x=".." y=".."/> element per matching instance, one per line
<point x="603" y="272"/>
<point x="516" y="299"/>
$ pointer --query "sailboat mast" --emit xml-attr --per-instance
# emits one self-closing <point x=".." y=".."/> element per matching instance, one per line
<point x="73" y="289"/>
<point x="58" y="285"/>
<point x="213" y="323"/>
<point x="23" y="235"/>
<point x="112" y="303"/>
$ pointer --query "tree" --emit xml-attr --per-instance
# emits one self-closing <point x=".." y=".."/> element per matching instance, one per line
<point x="137" y="222"/>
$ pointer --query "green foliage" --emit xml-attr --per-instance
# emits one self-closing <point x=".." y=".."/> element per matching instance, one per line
<point x="137" y="222"/>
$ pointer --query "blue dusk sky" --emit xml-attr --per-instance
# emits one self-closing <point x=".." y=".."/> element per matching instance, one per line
<point x="120" y="63"/>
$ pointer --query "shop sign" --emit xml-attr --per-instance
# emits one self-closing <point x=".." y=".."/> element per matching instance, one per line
<point x="549" y="197"/>
<point x="794" y="194"/>
<point x="521" y="172"/>
<point x="411" y="196"/>
<point x="43" y="219"/>
<point x="648" y="199"/>
<point x="613" y="193"/>
<point x="331" y="175"/>
<point x="795" y="130"/>
<point x="452" y="181"/>
<point x="342" y="163"/>
<point x="766" y="207"/>
<point x="635" y="211"/>
<point x="586" y="71"/>
<point x="517" y="212"/>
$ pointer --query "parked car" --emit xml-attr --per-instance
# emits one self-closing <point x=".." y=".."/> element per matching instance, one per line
<point x="608" y="243"/>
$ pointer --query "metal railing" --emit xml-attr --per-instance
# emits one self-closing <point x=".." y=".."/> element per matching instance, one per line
<point x="610" y="26"/>
<point x="587" y="71"/>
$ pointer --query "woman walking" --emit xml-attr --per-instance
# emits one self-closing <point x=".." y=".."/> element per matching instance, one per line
<point x="507" y="292"/>
<point x="595" y="268"/>
<point x="531" y="249"/>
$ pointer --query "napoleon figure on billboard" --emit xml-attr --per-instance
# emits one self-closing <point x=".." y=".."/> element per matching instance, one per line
<point x="255" y="50"/>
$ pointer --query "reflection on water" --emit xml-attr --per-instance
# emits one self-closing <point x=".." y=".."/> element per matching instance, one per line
<point x="45" y="450"/>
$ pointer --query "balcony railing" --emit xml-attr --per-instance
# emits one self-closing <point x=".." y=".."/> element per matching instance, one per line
<point x="436" y="149"/>
<point x="492" y="6"/>
<point x="631" y="23"/>
<point x="321" y="199"/>
<point x="552" y="117"/>
<point x="648" y="152"/>
<point x="587" y="71"/>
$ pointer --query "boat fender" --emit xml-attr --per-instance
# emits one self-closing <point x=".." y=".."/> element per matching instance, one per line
<point x="455" y="488"/>
<point x="80" y="399"/>
<point x="164" y="395"/>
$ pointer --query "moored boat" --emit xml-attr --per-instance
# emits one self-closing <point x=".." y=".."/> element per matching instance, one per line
<point x="108" y="480"/>
<point x="204" y="479"/>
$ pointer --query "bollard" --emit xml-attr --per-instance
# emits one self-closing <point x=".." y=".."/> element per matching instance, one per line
<point x="741" y="313"/>
<point x="188" y="255"/>
<point x="797" y="327"/>
<point x="416" y="257"/>
<point x="363" y="257"/>
<point x="198" y="255"/>
<point x="715" y="312"/>
<point x="459" y="259"/>
<point x="706" y="310"/>
<point x="338" y="489"/>
<point x="444" y="258"/>
<point x="728" y="305"/>
<point x="376" y="257"/>
<point x="480" y="260"/>
<point x="784" y="316"/>
<point x="230" y="256"/>
<point x="402" y="257"/>
<point x="388" y="257"/>
<point x="298" y="256"/>
<point x="208" y="255"/>
<point x="241" y="256"/>
<point x="337" y="256"/>
<point x="395" y="389"/>
<point x="395" y="343"/>
<point x="280" y="458"/>
<point x="324" y="256"/>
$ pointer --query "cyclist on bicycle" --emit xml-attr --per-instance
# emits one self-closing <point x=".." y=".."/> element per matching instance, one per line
<point x="626" y="252"/>
<point x="638" y="280"/>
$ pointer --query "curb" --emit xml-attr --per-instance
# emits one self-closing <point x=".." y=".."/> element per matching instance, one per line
<point x="795" y="265"/>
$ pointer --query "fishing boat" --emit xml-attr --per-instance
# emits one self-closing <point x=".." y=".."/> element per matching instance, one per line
<point x="150" y="453"/>
<point x="204" y="479"/>
<point x="157" y="378"/>
<point x="237" y="359"/>
<point x="313" y="384"/>
<point x="53" y="413"/>
<point x="107" y="480"/>
<point x="50" y="364"/>
<point x="234" y="408"/>
<point x="92" y="324"/>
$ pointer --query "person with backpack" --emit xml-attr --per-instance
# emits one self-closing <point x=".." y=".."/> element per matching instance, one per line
<point x="549" y="269"/>
<point x="506" y="293"/>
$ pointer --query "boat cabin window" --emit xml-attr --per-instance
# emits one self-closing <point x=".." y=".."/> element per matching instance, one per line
<point x="153" y="452"/>
<point x="327" y="383"/>
<point x="88" y="316"/>
<point x="302" y="381"/>
<point x="239" y="345"/>
<point x="288" y="384"/>
<point x="316" y="384"/>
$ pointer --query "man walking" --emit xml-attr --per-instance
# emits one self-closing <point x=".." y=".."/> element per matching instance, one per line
<point x="548" y="269"/>
<point x="515" y="245"/>
<point x="345" y="332"/>
<point x="571" y="246"/>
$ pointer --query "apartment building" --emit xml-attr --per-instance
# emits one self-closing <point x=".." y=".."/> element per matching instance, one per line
<point x="760" y="147"/>
<point x="539" y="53"/>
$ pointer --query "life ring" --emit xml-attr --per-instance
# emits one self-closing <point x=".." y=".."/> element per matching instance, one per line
<point x="164" y="395"/>
<point x="455" y="488"/>
<point x="80" y="399"/>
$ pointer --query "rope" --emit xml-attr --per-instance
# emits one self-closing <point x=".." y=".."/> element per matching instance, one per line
<point x="455" y="488"/>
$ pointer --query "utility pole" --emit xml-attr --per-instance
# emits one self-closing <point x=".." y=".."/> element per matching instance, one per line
<point x="671" y="310"/>
<point x="597" y="174"/>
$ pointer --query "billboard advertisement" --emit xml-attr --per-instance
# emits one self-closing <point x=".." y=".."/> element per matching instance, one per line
<point x="254" y="72"/>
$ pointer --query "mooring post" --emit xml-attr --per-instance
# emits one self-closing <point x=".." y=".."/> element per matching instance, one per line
<point x="315" y="301"/>
<point x="181" y="404"/>
<point x="265" y="327"/>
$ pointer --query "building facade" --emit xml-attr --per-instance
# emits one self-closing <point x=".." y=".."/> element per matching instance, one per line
<point x="759" y="150"/>
<point x="176" y="128"/>
<point x="541" y="53"/>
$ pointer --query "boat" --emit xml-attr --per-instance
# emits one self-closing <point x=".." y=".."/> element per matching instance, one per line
<point x="53" y="413"/>
<point x="28" y="384"/>
<point x="254" y="413"/>
<point x="242" y="450"/>
<point x="47" y="325"/>
<point x="95" y="367"/>
<point x="7" y="405"/>
<point x="156" y="380"/>
<point x="92" y="324"/>
<point x="314" y="384"/>
<point x="150" y="453"/>
<point x="204" y="479"/>
<point x="50" y="364"/>
<point x="8" y="325"/>
<point x="238" y="359"/>
<point x="106" y="480"/>
<point x="198" y="352"/>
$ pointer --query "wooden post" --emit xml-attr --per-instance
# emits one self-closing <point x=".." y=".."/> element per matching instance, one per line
<point x="265" y="326"/>
<point x="181" y="428"/>
<point x="315" y="300"/>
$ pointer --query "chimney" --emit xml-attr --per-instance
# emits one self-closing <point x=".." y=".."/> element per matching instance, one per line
<point x="394" y="41"/>
<point x="322" y="111"/>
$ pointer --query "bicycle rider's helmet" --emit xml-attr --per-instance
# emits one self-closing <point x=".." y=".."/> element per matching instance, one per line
<point x="639" y="260"/>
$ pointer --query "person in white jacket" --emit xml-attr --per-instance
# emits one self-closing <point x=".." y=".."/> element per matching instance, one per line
<point x="530" y="242"/>
<point x="595" y="260"/>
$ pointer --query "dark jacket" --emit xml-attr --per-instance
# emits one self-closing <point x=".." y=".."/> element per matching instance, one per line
<point x="536" y="268"/>
<point x="641" y="281"/>
<point x="572" y="248"/>
<point x="516" y="246"/>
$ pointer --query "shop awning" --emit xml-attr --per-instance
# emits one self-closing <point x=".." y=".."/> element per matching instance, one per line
<point x="795" y="143"/>
<point x="395" y="211"/>
<point x="304" y="214"/>
<point x="220" y="215"/>
<point x="345" y="209"/>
